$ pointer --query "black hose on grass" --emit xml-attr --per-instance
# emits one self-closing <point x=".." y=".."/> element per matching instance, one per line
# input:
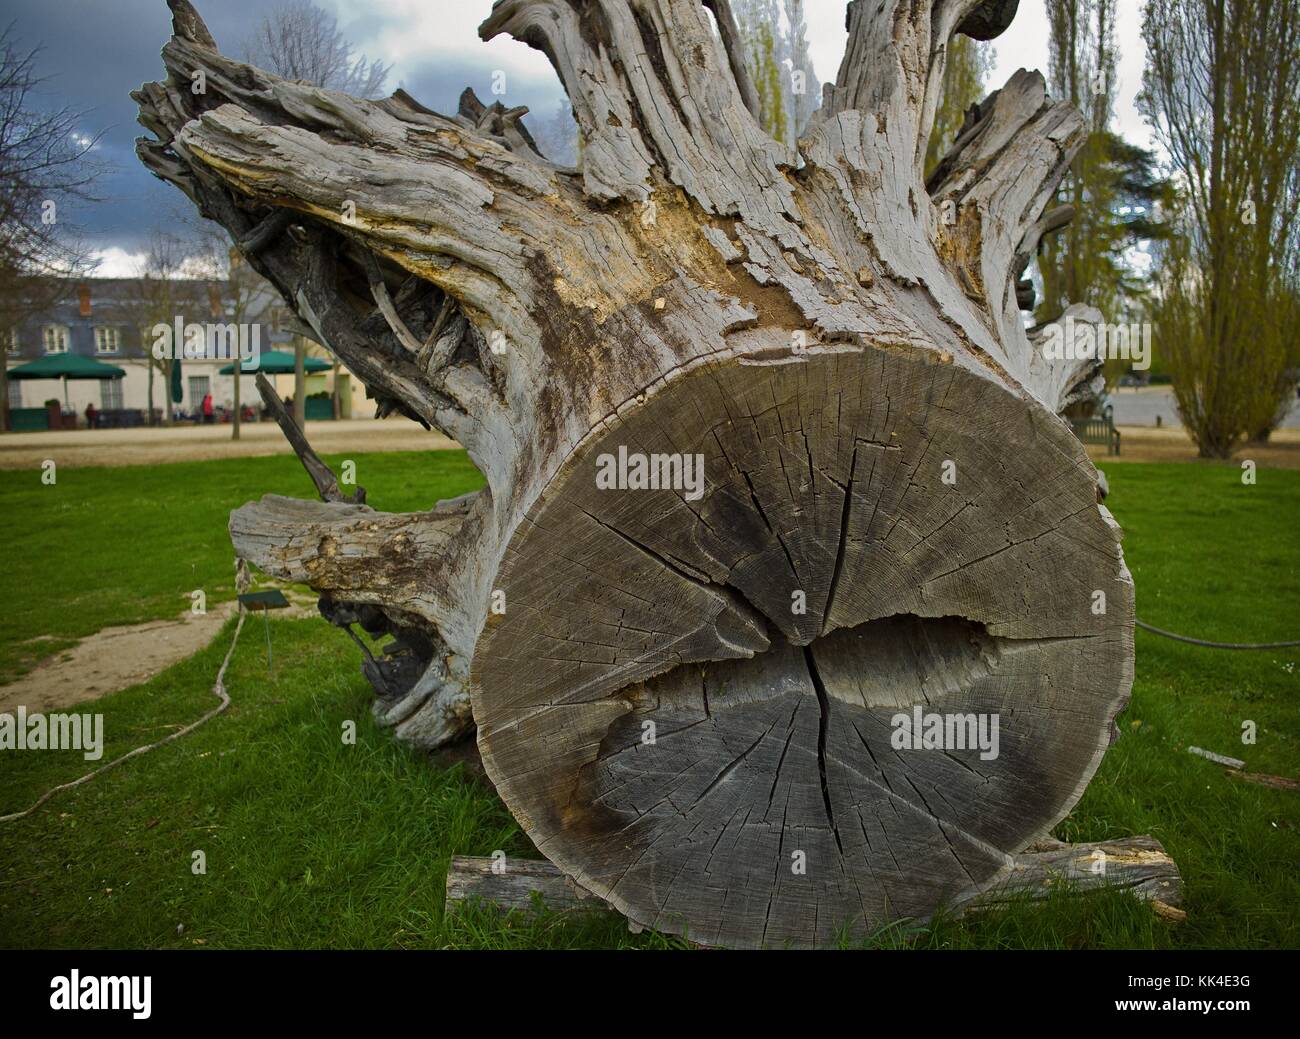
<point x="1214" y="645"/>
<point x="219" y="689"/>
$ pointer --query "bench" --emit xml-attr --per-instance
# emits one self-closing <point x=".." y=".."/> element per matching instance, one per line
<point x="1098" y="430"/>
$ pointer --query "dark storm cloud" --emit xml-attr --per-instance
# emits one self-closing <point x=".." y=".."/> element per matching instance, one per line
<point x="96" y="52"/>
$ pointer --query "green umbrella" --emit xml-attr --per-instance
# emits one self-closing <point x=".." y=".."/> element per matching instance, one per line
<point x="276" y="362"/>
<point x="66" y="366"/>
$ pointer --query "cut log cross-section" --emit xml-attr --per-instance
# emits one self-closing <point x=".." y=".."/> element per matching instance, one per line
<point x="789" y="606"/>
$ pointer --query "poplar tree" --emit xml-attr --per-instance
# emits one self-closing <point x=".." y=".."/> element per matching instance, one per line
<point x="1222" y="91"/>
<point x="775" y="40"/>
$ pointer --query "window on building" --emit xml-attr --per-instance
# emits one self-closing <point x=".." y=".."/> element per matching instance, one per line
<point x="55" y="339"/>
<point x="110" y="391"/>
<point x="15" y="393"/>
<point x="198" y="389"/>
<point x="108" y="340"/>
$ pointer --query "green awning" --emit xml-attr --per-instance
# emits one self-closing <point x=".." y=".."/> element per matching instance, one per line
<point x="277" y="362"/>
<point x="66" y="366"/>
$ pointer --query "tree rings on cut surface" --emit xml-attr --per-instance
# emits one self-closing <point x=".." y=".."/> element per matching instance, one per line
<point x="693" y="700"/>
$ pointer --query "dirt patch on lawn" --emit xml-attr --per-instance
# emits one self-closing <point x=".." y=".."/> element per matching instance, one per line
<point x="98" y="447"/>
<point x="116" y="658"/>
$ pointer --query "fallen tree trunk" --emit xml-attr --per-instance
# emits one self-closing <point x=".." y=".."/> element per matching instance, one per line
<point x="775" y="473"/>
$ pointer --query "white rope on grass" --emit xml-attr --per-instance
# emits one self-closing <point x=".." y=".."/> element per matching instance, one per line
<point x="218" y="688"/>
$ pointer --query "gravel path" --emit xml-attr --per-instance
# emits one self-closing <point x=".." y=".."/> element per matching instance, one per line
<point x="203" y="443"/>
<point x="1140" y="406"/>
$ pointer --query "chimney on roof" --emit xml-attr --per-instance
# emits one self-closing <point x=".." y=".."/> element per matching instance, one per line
<point x="83" y="293"/>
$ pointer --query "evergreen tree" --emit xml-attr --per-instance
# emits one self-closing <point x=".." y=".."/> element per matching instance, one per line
<point x="1113" y="186"/>
<point x="557" y="136"/>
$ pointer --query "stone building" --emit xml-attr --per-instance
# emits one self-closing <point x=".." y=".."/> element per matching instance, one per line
<point x="113" y="320"/>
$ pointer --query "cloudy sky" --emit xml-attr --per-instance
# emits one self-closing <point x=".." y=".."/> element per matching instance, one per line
<point x="95" y="52"/>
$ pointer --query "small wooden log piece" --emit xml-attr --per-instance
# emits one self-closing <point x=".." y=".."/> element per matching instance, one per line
<point x="1276" y="782"/>
<point x="512" y="884"/>
<point x="1138" y="864"/>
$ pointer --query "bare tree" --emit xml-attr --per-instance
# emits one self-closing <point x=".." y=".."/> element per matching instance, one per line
<point x="242" y="293"/>
<point x="165" y="289"/>
<point x="44" y="163"/>
<point x="299" y="40"/>
<point x="805" y="86"/>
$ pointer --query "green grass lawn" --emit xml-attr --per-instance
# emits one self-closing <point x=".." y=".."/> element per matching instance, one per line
<point x="313" y="842"/>
<point x="119" y="546"/>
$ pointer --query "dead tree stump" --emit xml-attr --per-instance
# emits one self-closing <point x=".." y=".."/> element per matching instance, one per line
<point x="772" y="461"/>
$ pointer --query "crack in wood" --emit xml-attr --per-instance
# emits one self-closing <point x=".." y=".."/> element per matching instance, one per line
<point x="823" y="702"/>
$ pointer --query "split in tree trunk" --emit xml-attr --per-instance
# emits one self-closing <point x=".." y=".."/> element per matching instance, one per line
<point x="771" y="459"/>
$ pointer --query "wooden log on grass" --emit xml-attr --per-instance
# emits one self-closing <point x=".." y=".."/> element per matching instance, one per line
<point x="771" y="459"/>
<point x="1139" y="865"/>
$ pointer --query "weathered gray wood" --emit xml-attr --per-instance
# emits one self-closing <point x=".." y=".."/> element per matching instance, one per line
<point x="892" y="517"/>
<point x="1263" y="779"/>
<point x="773" y="729"/>
<point x="1139" y="865"/>
<point x="327" y="484"/>
<point x="514" y="884"/>
<point x="1218" y="759"/>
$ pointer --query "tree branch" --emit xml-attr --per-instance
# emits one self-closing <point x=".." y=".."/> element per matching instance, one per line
<point x="991" y="192"/>
<point x="1062" y="381"/>
<point x="735" y="48"/>
<point x="651" y="87"/>
<point x="327" y="486"/>
<point x="354" y="553"/>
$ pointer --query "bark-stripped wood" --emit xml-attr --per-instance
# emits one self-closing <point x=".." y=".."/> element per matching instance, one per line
<point x="892" y="515"/>
<point x="327" y="484"/>
<point x="1139" y="865"/>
